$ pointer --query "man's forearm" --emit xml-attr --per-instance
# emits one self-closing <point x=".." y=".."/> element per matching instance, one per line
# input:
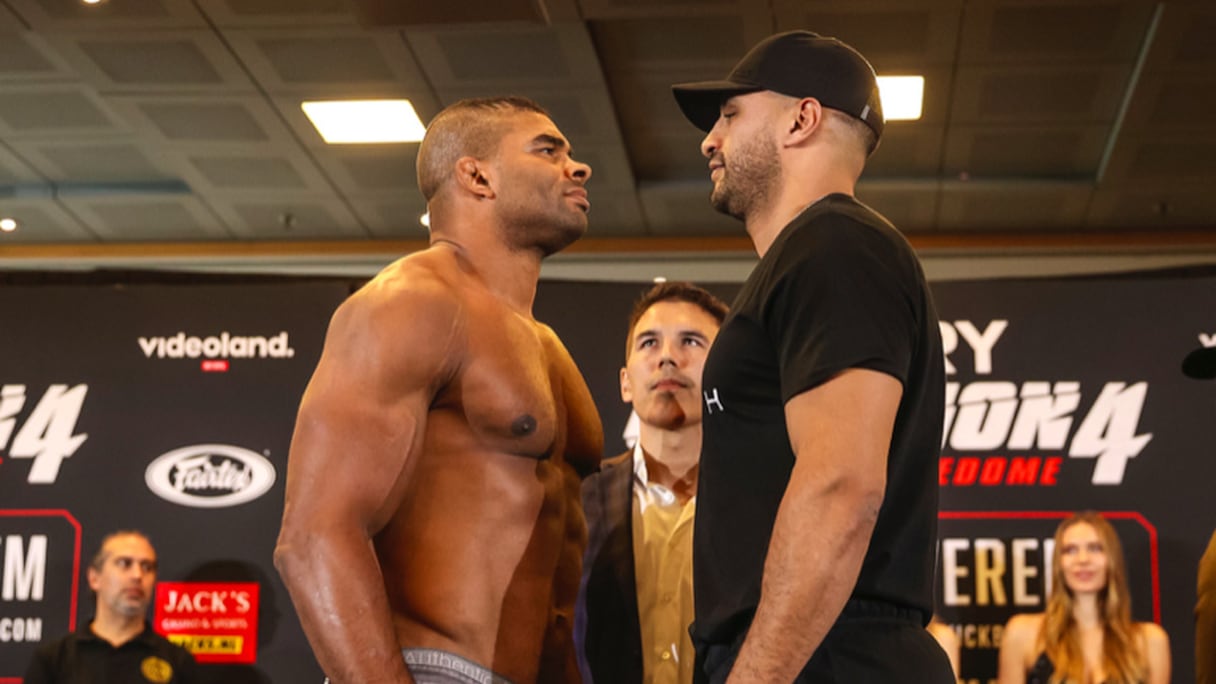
<point x="818" y="543"/>
<point x="338" y="591"/>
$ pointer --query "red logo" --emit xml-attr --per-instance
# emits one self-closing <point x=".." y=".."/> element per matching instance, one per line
<point x="216" y="621"/>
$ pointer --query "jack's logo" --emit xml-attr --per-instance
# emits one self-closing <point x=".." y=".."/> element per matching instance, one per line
<point x="47" y="434"/>
<point x="222" y="346"/>
<point x="210" y="476"/>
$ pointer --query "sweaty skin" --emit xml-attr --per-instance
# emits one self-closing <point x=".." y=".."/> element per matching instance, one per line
<point x="451" y="430"/>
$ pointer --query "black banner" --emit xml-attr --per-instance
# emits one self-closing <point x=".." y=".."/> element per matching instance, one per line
<point x="169" y="408"/>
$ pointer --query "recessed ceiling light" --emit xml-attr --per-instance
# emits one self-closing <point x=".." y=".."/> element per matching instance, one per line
<point x="365" y="121"/>
<point x="660" y="279"/>
<point x="8" y="225"/>
<point x="902" y="97"/>
<point x="91" y="2"/>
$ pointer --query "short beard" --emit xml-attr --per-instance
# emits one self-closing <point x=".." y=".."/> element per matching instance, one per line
<point x="748" y="178"/>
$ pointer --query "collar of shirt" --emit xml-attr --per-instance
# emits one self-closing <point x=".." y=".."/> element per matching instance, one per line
<point x="649" y="493"/>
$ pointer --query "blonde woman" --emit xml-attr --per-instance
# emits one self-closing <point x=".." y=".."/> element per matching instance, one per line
<point x="1086" y="636"/>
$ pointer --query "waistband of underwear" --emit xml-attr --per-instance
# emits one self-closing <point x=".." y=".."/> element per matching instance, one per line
<point x="454" y="668"/>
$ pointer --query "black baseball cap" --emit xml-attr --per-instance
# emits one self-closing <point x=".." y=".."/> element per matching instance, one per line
<point x="794" y="63"/>
<point x="1201" y="363"/>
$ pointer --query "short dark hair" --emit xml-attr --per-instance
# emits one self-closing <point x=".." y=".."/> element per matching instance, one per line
<point x="674" y="292"/>
<point x="471" y="127"/>
<point x="99" y="558"/>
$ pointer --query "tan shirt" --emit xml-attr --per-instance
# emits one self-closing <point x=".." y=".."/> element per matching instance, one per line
<point x="662" y="553"/>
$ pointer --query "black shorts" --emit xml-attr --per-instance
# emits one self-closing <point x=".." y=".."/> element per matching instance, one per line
<point x="871" y="643"/>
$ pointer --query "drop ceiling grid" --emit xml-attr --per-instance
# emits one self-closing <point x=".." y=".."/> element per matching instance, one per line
<point x="14" y="169"/>
<point x="123" y="159"/>
<point x="167" y="61"/>
<point x="126" y="14"/>
<point x="227" y="14"/>
<point x="893" y="35"/>
<point x="43" y="63"/>
<point x="1036" y="206"/>
<point x="376" y="61"/>
<point x="665" y="9"/>
<point x="214" y="122"/>
<point x="1023" y="32"/>
<point x="312" y="217"/>
<point x="152" y="218"/>
<point x="42" y="221"/>
<point x="58" y="111"/>
<point x="388" y="217"/>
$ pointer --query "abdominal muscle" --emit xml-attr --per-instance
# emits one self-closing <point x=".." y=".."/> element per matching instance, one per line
<point x="472" y="558"/>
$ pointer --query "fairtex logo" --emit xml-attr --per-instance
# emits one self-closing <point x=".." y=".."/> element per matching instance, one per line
<point x="986" y="419"/>
<point x="210" y="476"/>
<point x="222" y="346"/>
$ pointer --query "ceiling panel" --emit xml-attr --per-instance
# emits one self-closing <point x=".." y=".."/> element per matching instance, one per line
<point x="54" y="110"/>
<point x="1001" y="207"/>
<point x="43" y="221"/>
<point x="58" y="15"/>
<point x="300" y="218"/>
<point x="181" y="119"/>
<point x="147" y="218"/>
<point x="169" y="61"/>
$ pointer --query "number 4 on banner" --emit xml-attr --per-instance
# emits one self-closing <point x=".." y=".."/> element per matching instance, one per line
<point x="46" y="435"/>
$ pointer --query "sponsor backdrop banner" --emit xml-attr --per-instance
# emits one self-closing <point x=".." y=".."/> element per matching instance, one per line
<point x="167" y="408"/>
<point x="170" y="407"/>
<point x="1064" y="394"/>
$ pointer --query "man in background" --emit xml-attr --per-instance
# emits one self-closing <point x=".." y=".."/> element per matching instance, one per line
<point x="636" y="603"/>
<point x="118" y="645"/>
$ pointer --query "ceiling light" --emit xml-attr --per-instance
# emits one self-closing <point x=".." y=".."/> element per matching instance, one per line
<point x="425" y="219"/>
<point x="365" y="121"/>
<point x="91" y="2"/>
<point x="902" y="97"/>
<point x="8" y="225"/>
<point x="660" y="279"/>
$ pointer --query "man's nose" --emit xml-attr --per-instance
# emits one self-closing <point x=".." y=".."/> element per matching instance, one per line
<point x="580" y="171"/>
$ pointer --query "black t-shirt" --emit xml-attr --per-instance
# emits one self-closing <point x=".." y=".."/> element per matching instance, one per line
<point x="840" y="288"/>
<point x="84" y="658"/>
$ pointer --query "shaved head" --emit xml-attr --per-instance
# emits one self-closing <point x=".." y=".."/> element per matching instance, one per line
<point x="468" y="128"/>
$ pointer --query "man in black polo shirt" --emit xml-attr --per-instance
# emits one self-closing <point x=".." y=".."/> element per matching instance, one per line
<point x="813" y="545"/>
<point x="118" y="646"/>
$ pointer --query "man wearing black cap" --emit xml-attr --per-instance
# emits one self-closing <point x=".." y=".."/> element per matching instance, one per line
<point x="824" y="391"/>
<point x="1201" y="365"/>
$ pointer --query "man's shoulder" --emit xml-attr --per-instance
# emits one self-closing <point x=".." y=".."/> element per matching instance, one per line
<point x="417" y="289"/>
<point x="610" y="469"/>
<point x="177" y="655"/>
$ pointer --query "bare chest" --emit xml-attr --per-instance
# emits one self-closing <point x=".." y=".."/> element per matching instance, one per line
<point x="510" y="388"/>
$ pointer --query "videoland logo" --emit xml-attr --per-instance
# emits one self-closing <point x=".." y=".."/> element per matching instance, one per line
<point x="222" y="346"/>
<point x="210" y="476"/>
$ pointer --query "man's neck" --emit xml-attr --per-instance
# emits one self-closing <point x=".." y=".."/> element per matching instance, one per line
<point x="116" y="629"/>
<point x="672" y="458"/>
<point x="511" y="274"/>
<point x="793" y="197"/>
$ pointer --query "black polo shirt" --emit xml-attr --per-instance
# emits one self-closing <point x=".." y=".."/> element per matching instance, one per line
<point x="84" y="658"/>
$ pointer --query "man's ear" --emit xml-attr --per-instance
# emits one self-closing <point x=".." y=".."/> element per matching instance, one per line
<point x="94" y="578"/>
<point x="472" y="176"/>
<point x="807" y="118"/>
<point x="626" y="387"/>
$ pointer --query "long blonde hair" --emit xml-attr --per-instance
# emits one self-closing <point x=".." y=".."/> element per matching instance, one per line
<point x="1122" y="659"/>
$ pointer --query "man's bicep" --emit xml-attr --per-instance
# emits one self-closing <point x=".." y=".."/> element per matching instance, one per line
<point x="362" y="418"/>
<point x="846" y="422"/>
